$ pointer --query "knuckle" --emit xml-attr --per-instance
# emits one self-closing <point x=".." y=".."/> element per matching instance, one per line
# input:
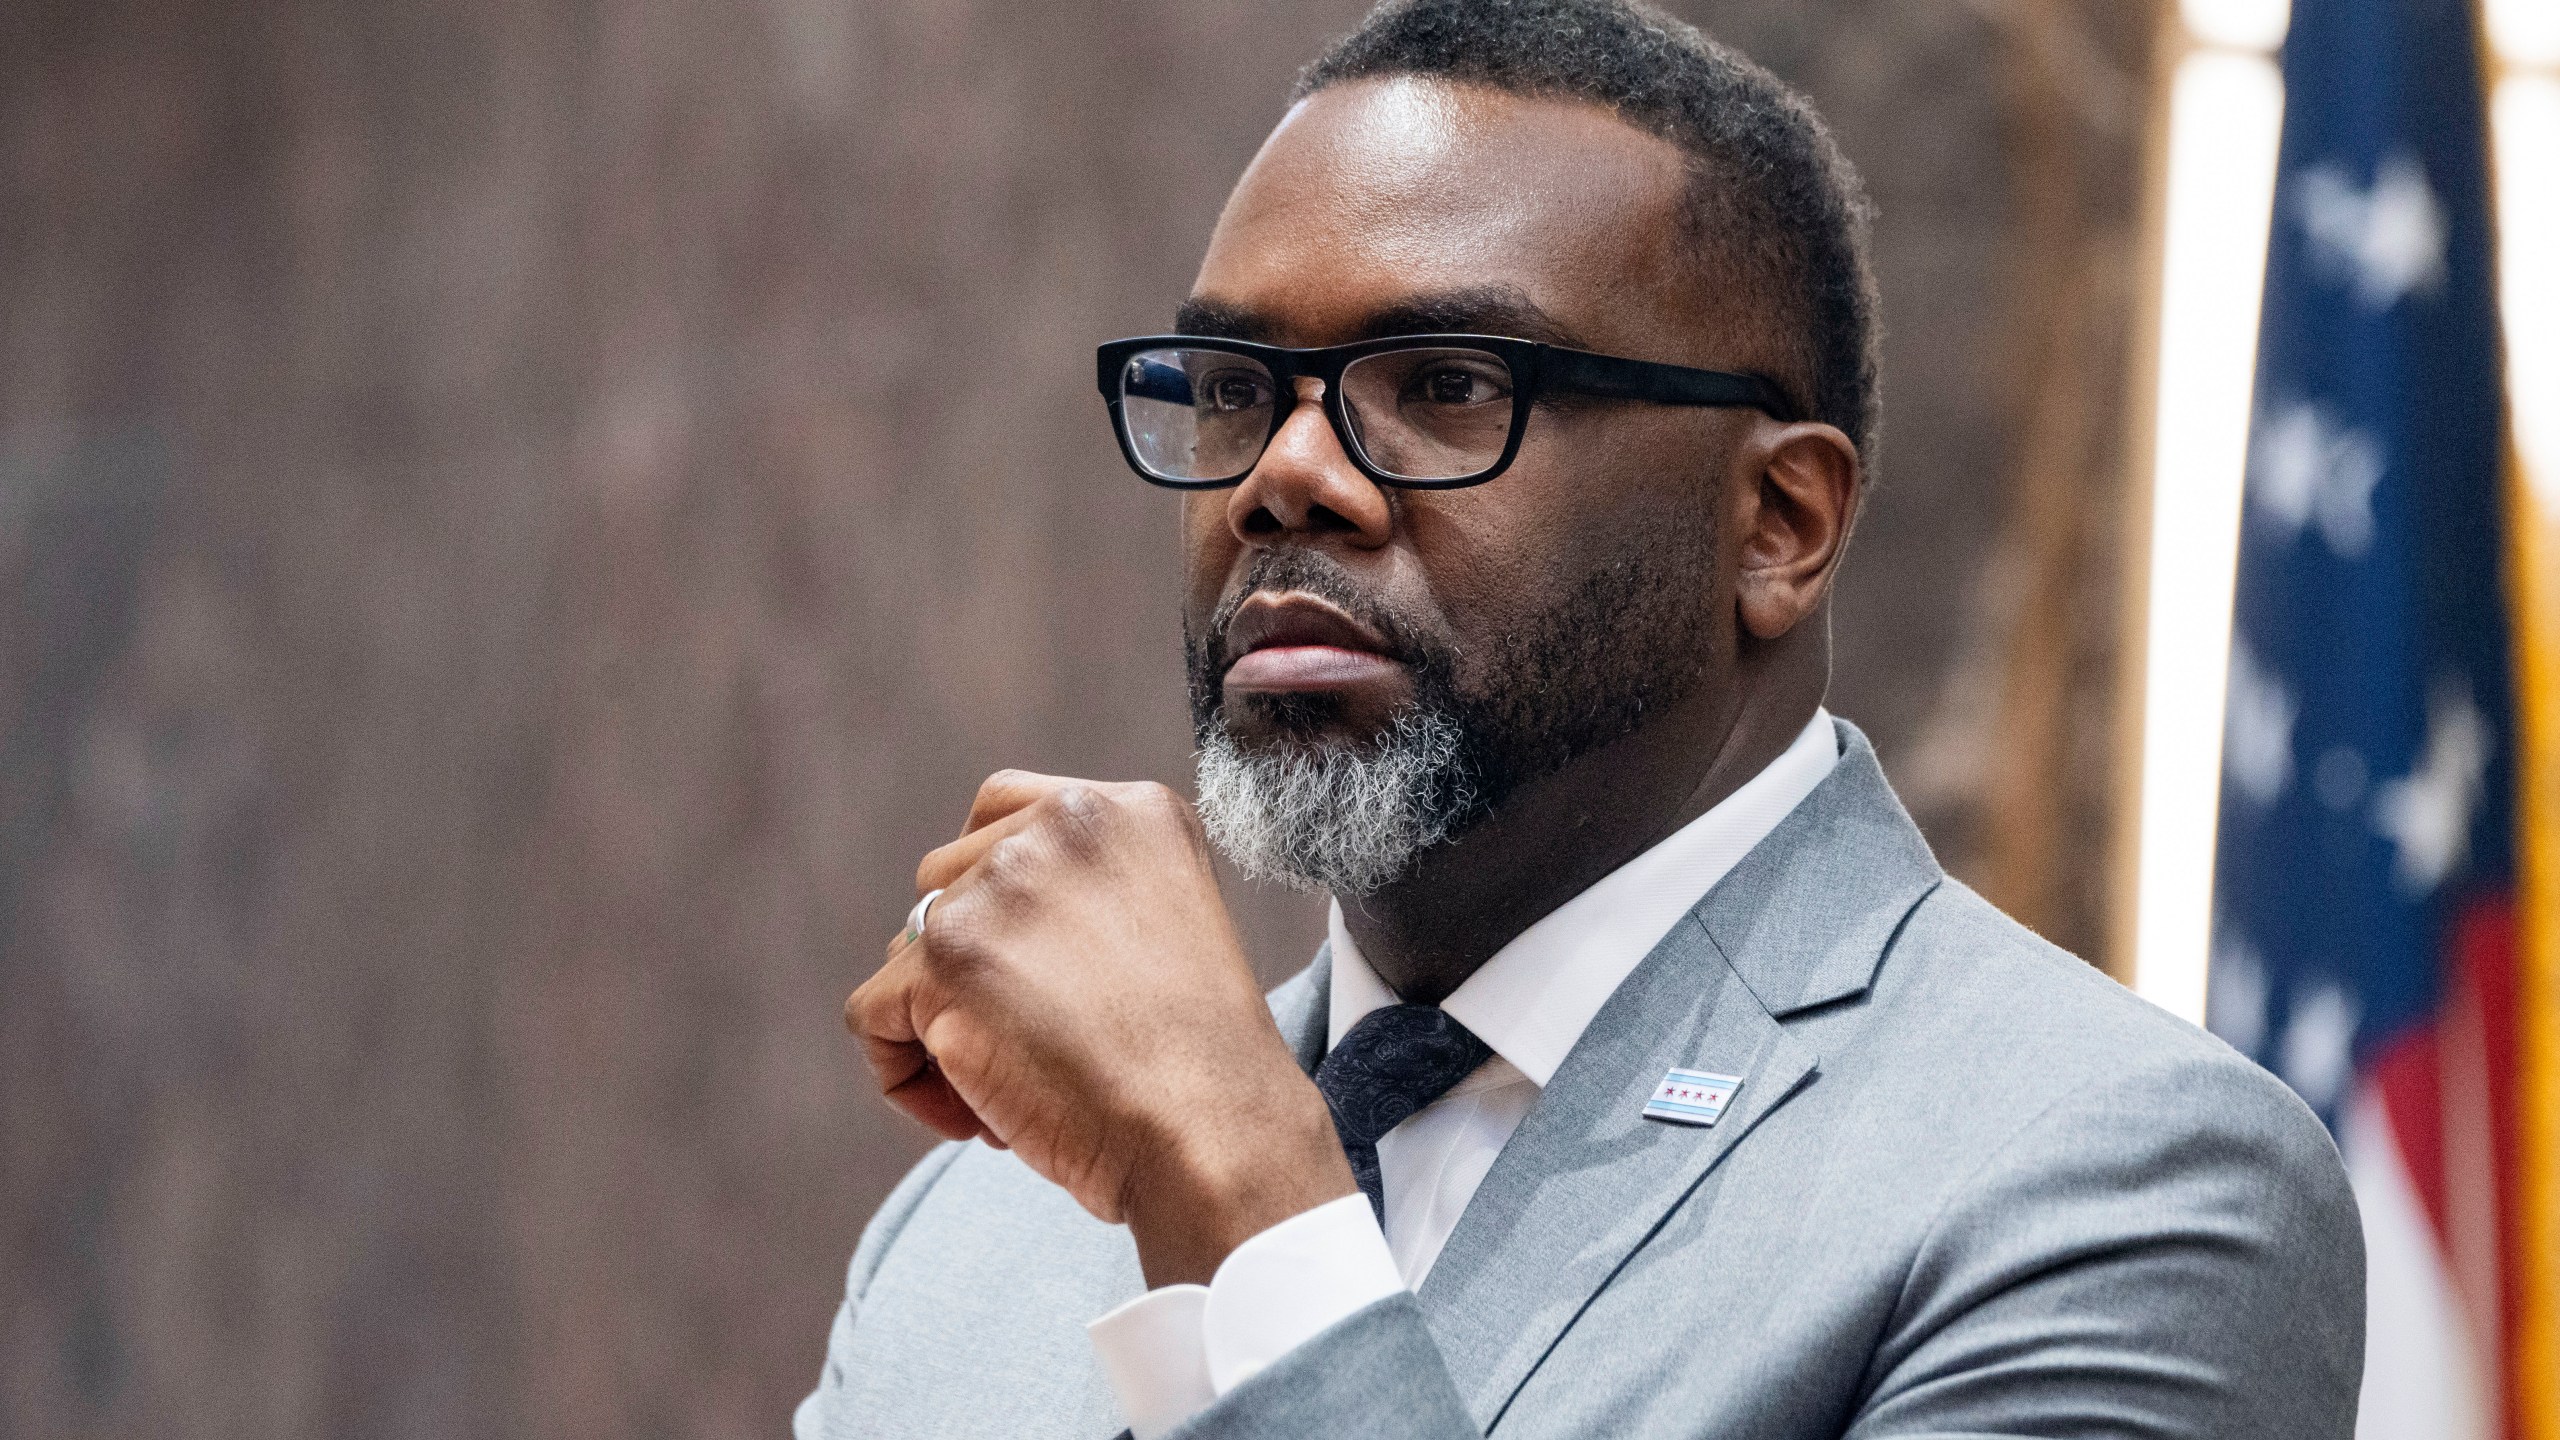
<point x="1079" y="816"/>
<point x="1158" y="802"/>
<point x="930" y="868"/>
<point x="865" y="1007"/>
<point x="1009" y="862"/>
<point x="1164" y="812"/>
<point x="997" y="794"/>
<point x="956" y="934"/>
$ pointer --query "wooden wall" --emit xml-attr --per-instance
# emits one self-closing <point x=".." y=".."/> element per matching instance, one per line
<point x="522" y="519"/>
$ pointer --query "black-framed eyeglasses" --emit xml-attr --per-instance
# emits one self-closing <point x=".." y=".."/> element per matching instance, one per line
<point x="1427" y="412"/>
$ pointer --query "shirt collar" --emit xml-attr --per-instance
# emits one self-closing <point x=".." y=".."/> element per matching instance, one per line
<point x="1533" y="999"/>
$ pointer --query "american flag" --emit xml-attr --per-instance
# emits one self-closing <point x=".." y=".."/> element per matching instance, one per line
<point x="2364" y="931"/>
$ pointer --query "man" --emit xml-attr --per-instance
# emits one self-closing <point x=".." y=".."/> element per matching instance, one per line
<point x="1654" y="1079"/>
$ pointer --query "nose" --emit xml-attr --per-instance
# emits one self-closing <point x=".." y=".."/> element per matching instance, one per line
<point x="1306" y="488"/>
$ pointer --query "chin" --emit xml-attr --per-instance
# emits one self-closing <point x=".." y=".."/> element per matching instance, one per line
<point x="1296" y="720"/>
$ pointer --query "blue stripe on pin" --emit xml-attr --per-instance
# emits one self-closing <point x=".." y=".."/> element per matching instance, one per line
<point x="1691" y="1097"/>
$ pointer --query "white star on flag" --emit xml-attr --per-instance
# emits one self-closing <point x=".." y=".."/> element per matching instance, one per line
<point x="2389" y="239"/>
<point x="2319" y="1045"/>
<point x="2257" y="727"/>
<point x="2427" y="813"/>
<point x="2304" y="470"/>
<point x="2236" y="990"/>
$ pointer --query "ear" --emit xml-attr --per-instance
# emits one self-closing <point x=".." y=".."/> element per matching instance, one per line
<point x="1797" y="495"/>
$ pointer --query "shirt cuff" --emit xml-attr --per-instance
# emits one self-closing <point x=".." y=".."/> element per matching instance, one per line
<point x="1171" y="1352"/>
<point x="1296" y="1278"/>
<point x="1156" y="1356"/>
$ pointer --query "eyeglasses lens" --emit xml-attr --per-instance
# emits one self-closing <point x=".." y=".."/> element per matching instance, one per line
<point x="1429" y="414"/>
<point x="1196" y="414"/>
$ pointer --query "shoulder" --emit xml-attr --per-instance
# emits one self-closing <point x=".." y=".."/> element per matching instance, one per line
<point x="1963" y="973"/>
<point x="2073" y="1075"/>
<point x="966" y="1304"/>
<point x="2059" y="1158"/>
<point x="891" y="1218"/>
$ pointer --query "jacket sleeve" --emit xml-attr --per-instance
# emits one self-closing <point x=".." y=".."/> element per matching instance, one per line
<point x="1376" y="1373"/>
<point x="820" y="1416"/>
<point x="2172" y="1251"/>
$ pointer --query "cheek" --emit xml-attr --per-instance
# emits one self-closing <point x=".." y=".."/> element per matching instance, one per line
<point x="1584" y="496"/>
<point x="1209" y="551"/>
<point x="1485" y="557"/>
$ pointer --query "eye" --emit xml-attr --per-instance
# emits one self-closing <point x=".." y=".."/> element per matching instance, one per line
<point x="1453" y="384"/>
<point x="1231" y="391"/>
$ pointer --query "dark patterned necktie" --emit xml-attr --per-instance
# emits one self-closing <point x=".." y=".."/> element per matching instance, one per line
<point x="1398" y="1059"/>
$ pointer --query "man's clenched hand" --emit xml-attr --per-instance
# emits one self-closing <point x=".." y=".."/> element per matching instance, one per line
<point x="1079" y="995"/>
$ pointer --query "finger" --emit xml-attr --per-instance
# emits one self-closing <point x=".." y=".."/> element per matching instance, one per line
<point x="905" y="937"/>
<point x="947" y="1034"/>
<point x="881" y="1016"/>
<point x="893" y="1058"/>
<point x="943" y="868"/>
<point x="1007" y="791"/>
<point x="904" y="1067"/>
<point x="929" y="1098"/>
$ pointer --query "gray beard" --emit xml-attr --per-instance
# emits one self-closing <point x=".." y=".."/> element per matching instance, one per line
<point x="1344" y="819"/>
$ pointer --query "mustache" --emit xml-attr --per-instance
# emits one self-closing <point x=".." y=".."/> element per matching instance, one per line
<point x="1314" y="574"/>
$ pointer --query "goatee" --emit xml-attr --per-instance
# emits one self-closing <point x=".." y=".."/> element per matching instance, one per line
<point x="1299" y="805"/>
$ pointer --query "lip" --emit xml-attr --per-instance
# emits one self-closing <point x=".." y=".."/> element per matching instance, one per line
<point x="1293" y="641"/>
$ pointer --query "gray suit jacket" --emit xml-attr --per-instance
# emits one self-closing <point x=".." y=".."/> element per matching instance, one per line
<point x="1969" y="1186"/>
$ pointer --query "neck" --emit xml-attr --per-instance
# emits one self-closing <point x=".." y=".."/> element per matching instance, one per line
<point x="1556" y="836"/>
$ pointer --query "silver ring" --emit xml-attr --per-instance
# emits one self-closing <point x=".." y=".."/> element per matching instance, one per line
<point x="915" y="918"/>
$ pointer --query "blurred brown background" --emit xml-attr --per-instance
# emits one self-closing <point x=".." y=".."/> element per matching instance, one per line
<point x="509" y="562"/>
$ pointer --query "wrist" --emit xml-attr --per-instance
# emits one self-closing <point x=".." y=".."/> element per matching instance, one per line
<point x="1229" y="1173"/>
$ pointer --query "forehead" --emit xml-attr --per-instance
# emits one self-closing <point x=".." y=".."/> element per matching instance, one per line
<point x="1372" y="193"/>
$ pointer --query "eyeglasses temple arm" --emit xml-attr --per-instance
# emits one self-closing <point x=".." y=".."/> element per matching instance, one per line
<point x="1611" y="377"/>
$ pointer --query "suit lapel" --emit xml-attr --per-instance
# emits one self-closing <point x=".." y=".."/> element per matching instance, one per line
<point x="1586" y="1180"/>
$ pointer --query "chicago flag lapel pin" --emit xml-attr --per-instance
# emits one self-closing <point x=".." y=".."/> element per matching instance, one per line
<point x="1691" y="1097"/>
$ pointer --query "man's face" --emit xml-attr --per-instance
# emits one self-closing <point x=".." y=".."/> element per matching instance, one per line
<point x="1548" y="610"/>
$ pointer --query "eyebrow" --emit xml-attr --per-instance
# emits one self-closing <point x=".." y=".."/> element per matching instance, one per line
<point x="1217" y="319"/>
<point x="1476" y="310"/>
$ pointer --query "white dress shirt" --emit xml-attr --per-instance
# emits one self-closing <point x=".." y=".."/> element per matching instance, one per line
<point x="1174" y="1350"/>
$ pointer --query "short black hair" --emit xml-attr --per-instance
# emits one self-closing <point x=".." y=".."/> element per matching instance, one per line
<point x="1770" y="185"/>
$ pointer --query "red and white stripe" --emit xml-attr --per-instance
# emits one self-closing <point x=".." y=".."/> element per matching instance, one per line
<point x="2428" y="1140"/>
